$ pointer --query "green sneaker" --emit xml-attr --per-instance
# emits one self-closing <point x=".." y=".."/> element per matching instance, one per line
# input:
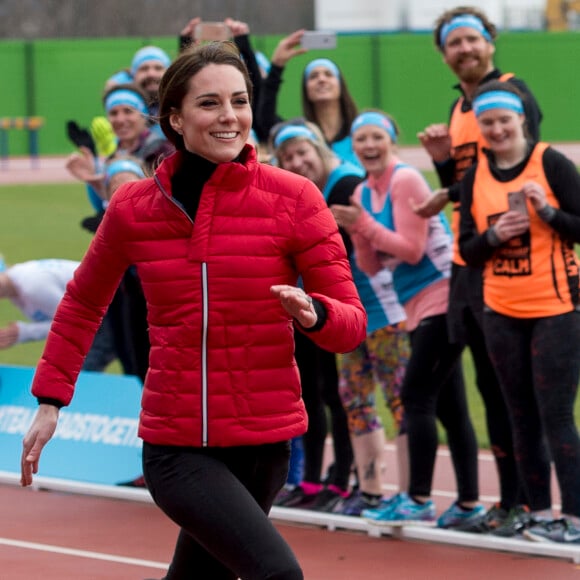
<point x="518" y="518"/>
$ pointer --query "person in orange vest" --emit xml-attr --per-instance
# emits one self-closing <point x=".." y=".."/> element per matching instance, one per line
<point x="465" y="37"/>
<point x="520" y="219"/>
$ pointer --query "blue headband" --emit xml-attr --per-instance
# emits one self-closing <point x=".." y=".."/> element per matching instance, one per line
<point x="497" y="100"/>
<point x="376" y="120"/>
<point x="122" y="77"/>
<point x="122" y="166"/>
<point x="149" y="53"/>
<point x="326" y="63"/>
<point x="461" y="21"/>
<point x="128" y="98"/>
<point x="263" y="61"/>
<point x="293" y="131"/>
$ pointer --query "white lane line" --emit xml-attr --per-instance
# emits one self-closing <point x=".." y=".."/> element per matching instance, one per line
<point x="83" y="554"/>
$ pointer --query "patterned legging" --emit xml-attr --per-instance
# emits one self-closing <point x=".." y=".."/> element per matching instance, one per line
<point x="380" y="360"/>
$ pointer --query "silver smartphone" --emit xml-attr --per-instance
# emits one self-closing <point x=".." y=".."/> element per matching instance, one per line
<point x="208" y="31"/>
<point x="318" y="40"/>
<point x="517" y="202"/>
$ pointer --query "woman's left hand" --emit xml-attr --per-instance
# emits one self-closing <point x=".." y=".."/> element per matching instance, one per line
<point x="297" y="303"/>
<point x="536" y="194"/>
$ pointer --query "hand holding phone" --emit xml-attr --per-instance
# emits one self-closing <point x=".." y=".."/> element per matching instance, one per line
<point x="318" y="39"/>
<point x="517" y="202"/>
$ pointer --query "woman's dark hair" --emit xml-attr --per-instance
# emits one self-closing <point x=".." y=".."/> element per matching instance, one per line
<point x="497" y="85"/>
<point x="348" y="108"/>
<point x="449" y="15"/>
<point x="175" y="82"/>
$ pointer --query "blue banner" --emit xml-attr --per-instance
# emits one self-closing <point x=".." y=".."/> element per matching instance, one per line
<point x="96" y="438"/>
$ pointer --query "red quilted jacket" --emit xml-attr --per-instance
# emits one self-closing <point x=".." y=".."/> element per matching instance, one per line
<point x="222" y="370"/>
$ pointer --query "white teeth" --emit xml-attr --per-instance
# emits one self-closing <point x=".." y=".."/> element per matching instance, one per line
<point x="229" y="135"/>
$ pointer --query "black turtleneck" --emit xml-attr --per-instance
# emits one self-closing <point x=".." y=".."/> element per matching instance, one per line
<point x="188" y="181"/>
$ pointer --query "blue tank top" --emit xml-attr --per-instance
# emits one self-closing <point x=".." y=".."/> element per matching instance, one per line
<point x="377" y="292"/>
<point x="344" y="151"/>
<point x="410" y="279"/>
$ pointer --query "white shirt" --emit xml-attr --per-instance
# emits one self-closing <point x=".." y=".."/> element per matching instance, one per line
<point x="40" y="286"/>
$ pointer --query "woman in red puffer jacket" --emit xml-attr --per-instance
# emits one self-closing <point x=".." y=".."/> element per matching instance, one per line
<point x="219" y="242"/>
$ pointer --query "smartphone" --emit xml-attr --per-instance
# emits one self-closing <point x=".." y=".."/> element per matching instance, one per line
<point x="517" y="202"/>
<point x="208" y="31"/>
<point x="318" y="39"/>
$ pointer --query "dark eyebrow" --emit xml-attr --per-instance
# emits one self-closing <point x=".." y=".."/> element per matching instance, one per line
<point x="215" y="95"/>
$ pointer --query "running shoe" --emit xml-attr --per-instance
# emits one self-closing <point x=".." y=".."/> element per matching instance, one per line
<point x="355" y="504"/>
<point x="328" y="499"/>
<point x="284" y="493"/>
<point x="457" y="518"/>
<point x="560" y="530"/>
<point x="377" y="515"/>
<point x="295" y="498"/>
<point x="406" y="511"/>
<point x="495" y="517"/>
<point x="516" y="522"/>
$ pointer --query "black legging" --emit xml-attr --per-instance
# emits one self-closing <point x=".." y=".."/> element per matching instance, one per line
<point x="538" y="364"/>
<point x="434" y="388"/>
<point x="319" y="378"/>
<point x="220" y="498"/>
<point x="497" y="418"/>
<point x="465" y="320"/>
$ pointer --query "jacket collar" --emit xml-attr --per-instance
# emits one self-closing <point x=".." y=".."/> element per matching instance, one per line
<point x="232" y="175"/>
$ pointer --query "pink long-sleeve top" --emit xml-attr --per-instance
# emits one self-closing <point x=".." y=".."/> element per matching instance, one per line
<point x="407" y="242"/>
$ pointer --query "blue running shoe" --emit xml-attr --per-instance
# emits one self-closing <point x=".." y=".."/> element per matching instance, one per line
<point x="408" y="511"/>
<point x="403" y="511"/>
<point x="457" y="518"/>
<point x="379" y="514"/>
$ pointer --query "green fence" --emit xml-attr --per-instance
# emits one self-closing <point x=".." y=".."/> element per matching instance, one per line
<point x="400" y="73"/>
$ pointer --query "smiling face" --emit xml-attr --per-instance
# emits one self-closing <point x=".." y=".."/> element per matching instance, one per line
<point x="503" y="129"/>
<point x="373" y="146"/>
<point x="301" y="157"/>
<point x="128" y="124"/>
<point x="468" y="54"/>
<point x="148" y="76"/>
<point x="322" y="85"/>
<point x="215" y="116"/>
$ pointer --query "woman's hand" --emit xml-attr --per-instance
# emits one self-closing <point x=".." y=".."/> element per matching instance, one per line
<point x="188" y="30"/>
<point x="296" y="303"/>
<point x="237" y="27"/>
<point x="432" y="205"/>
<point x="347" y="215"/>
<point x="437" y="141"/>
<point x="288" y="48"/>
<point x="511" y="224"/>
<point x="536" y="194"/>
<point x="39" y="434"/>
<point x="82" y="166"/>
<point x="8" y="335"/>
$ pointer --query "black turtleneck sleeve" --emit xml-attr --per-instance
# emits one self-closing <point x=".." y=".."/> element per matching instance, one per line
<point x="188" y="181"/>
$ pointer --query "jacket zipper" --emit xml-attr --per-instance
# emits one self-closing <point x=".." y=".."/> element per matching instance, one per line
<point x="205" y="316"/>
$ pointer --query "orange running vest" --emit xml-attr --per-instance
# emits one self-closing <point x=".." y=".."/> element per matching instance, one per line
<point x="532" y="275"/>
<point x="466" y="148"/>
